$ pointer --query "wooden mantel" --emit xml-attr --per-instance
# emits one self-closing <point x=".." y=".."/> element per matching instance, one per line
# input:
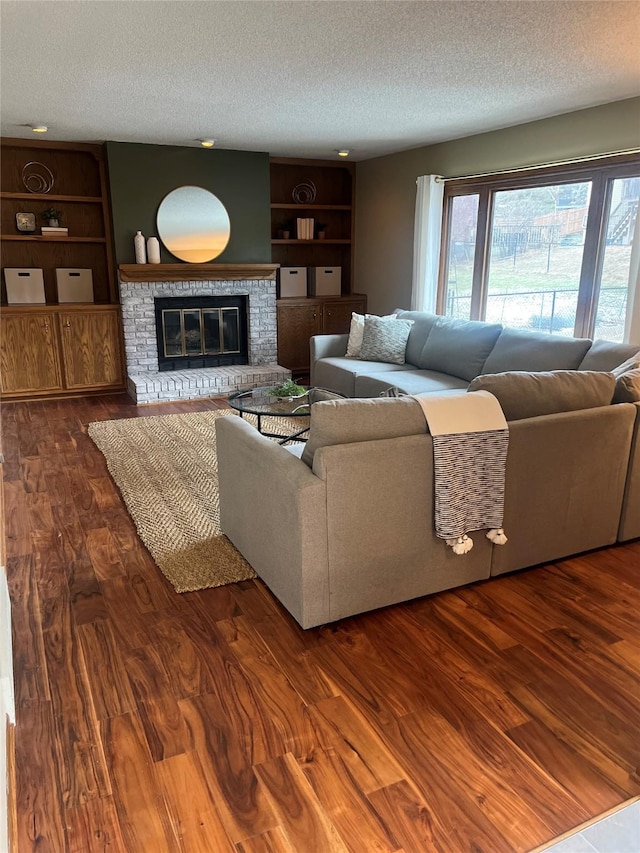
<point x="196" y="272"/>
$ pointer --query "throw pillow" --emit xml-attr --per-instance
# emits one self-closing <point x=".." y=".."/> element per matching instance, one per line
<point x="356" y="331"/>
<point x="628" y="387"/>
<point x="632" y="363"/>
<point x="385" y="340"/>
<point x="528" y="395"/>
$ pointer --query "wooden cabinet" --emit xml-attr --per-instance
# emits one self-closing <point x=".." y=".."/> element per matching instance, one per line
<point x="300" y="319"/>
<point x="55" y="349"/>
<point x="296" y="325"/>
<point x="91" y="351"/>
<point x="29" y="356"/>
<point x="60" y="350"/>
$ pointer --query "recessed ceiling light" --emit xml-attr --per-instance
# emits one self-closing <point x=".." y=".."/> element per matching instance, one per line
<point x="39" y="128"/>
<point x="207" y="143"/>
<point x="343" y="152"/>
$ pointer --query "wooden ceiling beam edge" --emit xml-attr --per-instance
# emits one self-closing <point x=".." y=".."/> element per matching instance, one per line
<point x="196" y="272"/>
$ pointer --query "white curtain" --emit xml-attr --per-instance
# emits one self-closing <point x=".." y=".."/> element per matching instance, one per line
<point x="426" y="243"/>
<point x="632" y="319"/>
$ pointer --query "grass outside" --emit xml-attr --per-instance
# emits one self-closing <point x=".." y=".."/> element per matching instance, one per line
<point x="541" y="269"/>
<point x="539" y="289"/>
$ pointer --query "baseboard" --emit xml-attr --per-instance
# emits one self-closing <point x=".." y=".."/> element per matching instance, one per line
<point x="12" y="810"/>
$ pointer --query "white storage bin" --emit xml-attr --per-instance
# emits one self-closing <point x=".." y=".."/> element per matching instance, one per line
<point x="325" y="281"/>
<point x="74" y="285"/>
<point x="293" y="282"/>
<point x="25" y="286"/>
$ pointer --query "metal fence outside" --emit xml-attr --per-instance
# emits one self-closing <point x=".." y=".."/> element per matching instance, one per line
<point x="551" y="311"/>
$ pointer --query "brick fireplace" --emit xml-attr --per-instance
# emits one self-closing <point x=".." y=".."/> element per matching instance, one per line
<point x="142" y="284"/>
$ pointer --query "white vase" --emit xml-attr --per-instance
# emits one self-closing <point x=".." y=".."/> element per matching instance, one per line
<point x="153" y="250"/>
<point x="140" y="247"/>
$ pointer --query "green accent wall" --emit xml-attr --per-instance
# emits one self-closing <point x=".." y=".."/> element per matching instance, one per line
<point x="386" y="186"/>
<point x="141" y="175"/>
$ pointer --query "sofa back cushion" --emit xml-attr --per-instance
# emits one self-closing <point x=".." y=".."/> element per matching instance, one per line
<point x="520" y="350"/>
<point x="459" y="347"/>
<point x="607" y="355"/>
<point x="348" y="421"/>
<point x="423" y="322"/>
<point x="528" y="395"/>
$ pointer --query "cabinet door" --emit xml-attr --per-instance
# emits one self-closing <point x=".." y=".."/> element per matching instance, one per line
<point x="336" y="316"/>
<point x="29" y="353"/>
<point x="296" y="325"/>
<point x="91" y="350"/>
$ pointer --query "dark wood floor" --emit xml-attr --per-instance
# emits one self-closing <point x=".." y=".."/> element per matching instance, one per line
<point x="490" y="718"/>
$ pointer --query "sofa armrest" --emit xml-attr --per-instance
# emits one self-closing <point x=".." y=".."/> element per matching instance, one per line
<point x="273" y="509"/>
<point x="327" y="346"/>
<point x="565" y="484"/>
<point x="630" y="516"/>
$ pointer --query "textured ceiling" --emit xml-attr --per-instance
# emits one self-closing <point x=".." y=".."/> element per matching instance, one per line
<point x="304" y="78"/>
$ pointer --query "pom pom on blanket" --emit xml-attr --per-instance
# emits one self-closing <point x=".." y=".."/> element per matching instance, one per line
<point x="461" y="545"/>
<point x="497" y="536"/>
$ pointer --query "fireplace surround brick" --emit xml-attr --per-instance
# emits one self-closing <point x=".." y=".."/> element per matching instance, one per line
<point x="145" y="384"/>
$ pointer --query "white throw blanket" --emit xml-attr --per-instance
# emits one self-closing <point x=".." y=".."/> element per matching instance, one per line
<point x="470" y="441"/>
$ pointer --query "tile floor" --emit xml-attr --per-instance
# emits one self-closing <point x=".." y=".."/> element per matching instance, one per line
<point x="617" y="833"/>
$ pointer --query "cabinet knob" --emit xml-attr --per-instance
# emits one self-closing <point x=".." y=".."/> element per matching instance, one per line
<point x="67" y="324"/>
<point x="314" y="315"/>
<point x="45" y="325"/>
<point x="328" y="313"/>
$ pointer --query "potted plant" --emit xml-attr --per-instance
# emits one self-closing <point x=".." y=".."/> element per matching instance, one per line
<point x="288" y="389"/>
<point x="321" y="230"/>
<point x="286" y="229"/>
<point x="51" y="216"/>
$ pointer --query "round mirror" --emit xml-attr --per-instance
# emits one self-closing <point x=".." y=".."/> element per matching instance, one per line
<point x="193" y="224"/>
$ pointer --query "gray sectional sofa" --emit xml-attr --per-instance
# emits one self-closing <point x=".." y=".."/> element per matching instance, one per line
<point x="345" y="523"/>
<point x="444" y="354"/>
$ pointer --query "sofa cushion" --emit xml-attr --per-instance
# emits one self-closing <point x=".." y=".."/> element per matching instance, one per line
<point x="423" y="322"/>
<point x="384" y="340"/>
<point x="628" y="387"/>
<point x="606" y="355"/>
<point x="459" y="347"/>
<point x="520" y="350"/>
<point x="338" y="373"/>
<point x="408" y="382"/>
<point x="356" y="331"/>
<point x="528" y="395"/>
<point x="349" y="421"/>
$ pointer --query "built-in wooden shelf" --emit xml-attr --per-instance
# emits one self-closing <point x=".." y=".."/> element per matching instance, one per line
<point x="84" y="199"/>
<point x="62" y="238"/>
<point x="311" y="242"/>
<point x="196" y="272"/>
<point x="294" y="206"/>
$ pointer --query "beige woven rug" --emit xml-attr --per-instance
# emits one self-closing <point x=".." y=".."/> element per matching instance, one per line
<point x="166" y="468"/>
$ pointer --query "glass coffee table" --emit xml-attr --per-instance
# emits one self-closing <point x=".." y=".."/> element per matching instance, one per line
<point x="262" y="403"/>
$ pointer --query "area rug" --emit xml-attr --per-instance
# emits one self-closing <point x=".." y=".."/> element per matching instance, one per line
<point x="166" y="468"/>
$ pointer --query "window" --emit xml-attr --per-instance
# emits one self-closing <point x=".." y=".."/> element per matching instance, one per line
<point x="549" y="252"/>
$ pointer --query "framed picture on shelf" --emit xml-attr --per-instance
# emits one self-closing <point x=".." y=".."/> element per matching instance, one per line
<point x="25" y="222"/>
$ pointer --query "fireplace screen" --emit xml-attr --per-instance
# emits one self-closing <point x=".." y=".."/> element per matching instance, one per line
<point x="193" y="331"/>
<point x="201" y="332"/>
